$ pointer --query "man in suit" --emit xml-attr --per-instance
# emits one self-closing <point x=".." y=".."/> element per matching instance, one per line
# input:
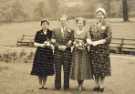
<point x="62" y="55"/>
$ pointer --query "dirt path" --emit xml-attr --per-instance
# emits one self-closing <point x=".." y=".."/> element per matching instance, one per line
<point x="15" y="79"/>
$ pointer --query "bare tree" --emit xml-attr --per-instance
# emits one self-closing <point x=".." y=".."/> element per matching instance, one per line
<point x="47" y="8"/>
<point x="11" y="10"/>
<point x="54" y="7"/>
<point x="18" y="11"/>
<point x="39" y="10"/>
<point x="5" y="11"/>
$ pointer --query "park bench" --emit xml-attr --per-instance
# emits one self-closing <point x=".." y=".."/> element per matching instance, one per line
<point x="118" y="45"/>
<point x="122" y="45"/>
<point x="25" y="40"/>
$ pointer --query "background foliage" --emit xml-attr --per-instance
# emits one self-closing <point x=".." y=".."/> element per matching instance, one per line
<point x="29" y="10"/>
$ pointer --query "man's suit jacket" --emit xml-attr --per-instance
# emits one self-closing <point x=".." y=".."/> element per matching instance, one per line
<point x="62" y="39"/>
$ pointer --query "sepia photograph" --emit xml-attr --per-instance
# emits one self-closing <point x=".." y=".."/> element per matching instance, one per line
<point x="67" y="46"/>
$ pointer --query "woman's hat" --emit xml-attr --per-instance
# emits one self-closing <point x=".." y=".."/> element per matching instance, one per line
<point x="101" y="10"/>
<point x="44" y="20"/>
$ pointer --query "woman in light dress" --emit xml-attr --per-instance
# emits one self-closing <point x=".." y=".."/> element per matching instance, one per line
<point x="81" y="67"/>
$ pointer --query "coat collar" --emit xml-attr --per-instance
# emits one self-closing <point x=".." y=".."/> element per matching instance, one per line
<point x="43" y="33"/>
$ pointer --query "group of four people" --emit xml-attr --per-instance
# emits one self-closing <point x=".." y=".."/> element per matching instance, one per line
<point x="83" y="52"/>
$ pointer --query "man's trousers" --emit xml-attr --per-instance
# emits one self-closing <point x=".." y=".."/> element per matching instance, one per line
<point x="62" y="58"/>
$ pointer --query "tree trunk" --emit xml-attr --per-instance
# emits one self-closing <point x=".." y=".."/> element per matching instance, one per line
<point x="125" y="10"/>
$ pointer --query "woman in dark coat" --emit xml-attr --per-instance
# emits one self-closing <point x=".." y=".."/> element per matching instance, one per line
<point x="43" y="62"/>
<point x="99" y="51"/>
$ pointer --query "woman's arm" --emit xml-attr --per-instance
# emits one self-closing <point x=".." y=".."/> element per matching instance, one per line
<point x="108" y="35"/>
<point x="106" y="40"/>
<point x="88" y="38"/>
<point x="37" y="40"/>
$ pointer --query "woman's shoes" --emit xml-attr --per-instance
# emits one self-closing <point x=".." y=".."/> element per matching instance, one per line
<point x="98" y="89"/>
<point x="101" y="89"/>
<point x="80" y="88"/>
<point x="43" y="88"/>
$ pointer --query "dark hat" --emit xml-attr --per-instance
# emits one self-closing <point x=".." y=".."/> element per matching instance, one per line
<point x="44" y="20"/>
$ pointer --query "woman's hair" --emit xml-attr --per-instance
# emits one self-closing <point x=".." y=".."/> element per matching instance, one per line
<point x="80" y="19"/>
<point x="63" y="17"/>
<point x="44" y="20"/>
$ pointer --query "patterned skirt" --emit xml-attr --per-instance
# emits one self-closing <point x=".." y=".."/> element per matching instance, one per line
<point x="100" y="61"/>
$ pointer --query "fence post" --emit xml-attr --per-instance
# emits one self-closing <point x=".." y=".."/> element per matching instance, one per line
<point x="121" y="45"/>
<point x="22" y="37"/>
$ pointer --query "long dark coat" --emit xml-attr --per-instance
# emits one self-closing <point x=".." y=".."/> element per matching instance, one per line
<point x="43" y="61"/>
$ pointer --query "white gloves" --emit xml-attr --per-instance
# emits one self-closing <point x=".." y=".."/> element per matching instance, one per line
<point x="69" y="43"/>
<point x="89" y="41"/>
<point x="62" y="47"/>
<point x="39" y="44"/>
<point x="47" y="43"/>
<point x="102" y="41"/>
<point x="53" y="40"/>
<point x="95" y="43"/>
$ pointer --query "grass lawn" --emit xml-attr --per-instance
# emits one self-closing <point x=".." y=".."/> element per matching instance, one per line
<point x="15" y="78"/>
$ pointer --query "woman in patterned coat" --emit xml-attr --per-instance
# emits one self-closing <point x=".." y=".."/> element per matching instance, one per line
<point x="101" y="36"/>
<point x="43" y="62"/>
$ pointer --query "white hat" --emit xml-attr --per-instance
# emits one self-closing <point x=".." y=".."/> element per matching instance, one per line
<point x="101" y="10"/>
